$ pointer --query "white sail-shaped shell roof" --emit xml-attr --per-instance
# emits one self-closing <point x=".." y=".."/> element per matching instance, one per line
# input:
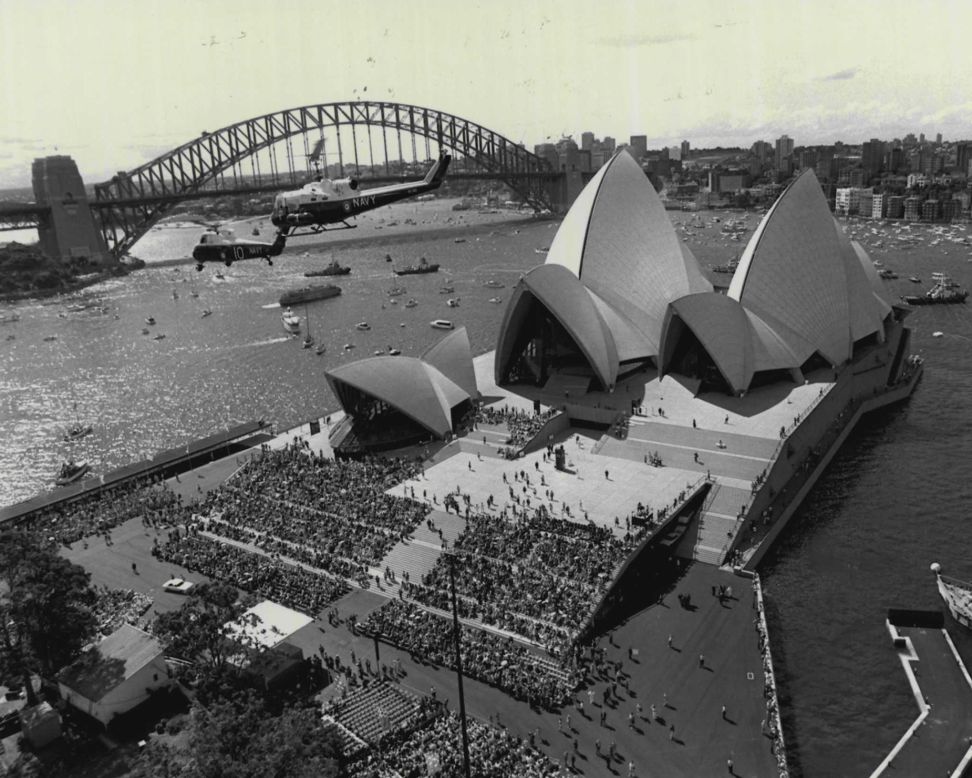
<point x="618" y="240"/>
<point x="426" y="390"/>
<point x="793" y="272"/>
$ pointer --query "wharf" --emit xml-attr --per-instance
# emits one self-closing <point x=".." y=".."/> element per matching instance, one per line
<point x="939" y="742"/>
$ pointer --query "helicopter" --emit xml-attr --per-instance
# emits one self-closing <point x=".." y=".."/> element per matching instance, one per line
<point x="223" y="246"/>
<point x="325" y="202"/>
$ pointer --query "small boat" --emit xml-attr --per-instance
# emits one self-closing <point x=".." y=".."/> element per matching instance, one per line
<point x="321" y="349"/>
<point x="77" y="432"/>
<point x="496" y="300"/>
<point x="394" y="352"/>
<point x="459" y="240"/>
<point x="442" y="324"/>
<point x="256" y="231"/>
<point x="887" y="274"/>
<point x="71" y="472"/>
<point x="396" y="290"/>
<point x="49" y="338"/>
<point x="9" y="318"/>
<point x="938" y="334"/>
<point x="411" y="303"/>
<point x="388" y="258"/>
<point x="379" y="353"/>
<point x="160" y="336"/>
<point x="218" y="275"/>
<point x="291" y="321"/>
<point x="150" y="320"/>
<point x="915" y="280"/>
<point x="493" y="284"/>
<point x="307" y="342"/>
<point x="453" y="302"/>
<point x="77" y="308"/>
<point x="348" y="346"/>
<point x="175" y="295"/>
<point x="194" y="294"/>
<point x="145" y="331"/>
<point x="362" y="325"/>
<point x="447" y="289"/>
<point x="206" y="313"/>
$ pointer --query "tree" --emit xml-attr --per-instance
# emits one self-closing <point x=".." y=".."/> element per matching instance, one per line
<point x="239" y="737"/>
<point x="197" y="631"/>
<point x="45" y="609"/>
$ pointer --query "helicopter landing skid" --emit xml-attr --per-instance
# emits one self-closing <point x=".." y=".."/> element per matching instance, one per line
<point x="319" y="228"/>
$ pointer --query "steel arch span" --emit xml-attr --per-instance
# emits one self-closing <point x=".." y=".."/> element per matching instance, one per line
<point x="131" y="202"/>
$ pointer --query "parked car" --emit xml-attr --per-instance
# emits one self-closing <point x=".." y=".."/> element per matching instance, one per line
<point x="178" y="586"/>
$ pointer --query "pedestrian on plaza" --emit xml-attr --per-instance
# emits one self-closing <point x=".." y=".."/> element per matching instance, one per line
<point x="603" y="717"/>
<point x="671" y="732"/>
<point x="701" y="660"/>
<point x="729" y="765"/>
<point x="652" y="713"/>
<point x="723" y="712"/>
<point x="669" y="641"/>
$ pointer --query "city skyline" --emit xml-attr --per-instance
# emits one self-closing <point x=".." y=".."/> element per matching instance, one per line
<point x="115" y="85"/>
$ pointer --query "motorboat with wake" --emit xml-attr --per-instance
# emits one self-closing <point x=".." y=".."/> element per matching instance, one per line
<point x="291" y="321"/>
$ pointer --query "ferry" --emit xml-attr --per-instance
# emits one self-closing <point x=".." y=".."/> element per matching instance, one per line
<point x="71" y="472"/>
<point x="442" y="324"/>
<point x="423" y="266"/>
<point x="957" y="596"/>
<point x="291" y="321"/>
<point x="308" y="294"/>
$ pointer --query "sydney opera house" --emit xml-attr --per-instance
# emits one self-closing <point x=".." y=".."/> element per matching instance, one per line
<point x="620" y="292"/>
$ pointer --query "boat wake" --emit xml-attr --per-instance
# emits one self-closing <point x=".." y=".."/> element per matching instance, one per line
<point x="270" y="306"/>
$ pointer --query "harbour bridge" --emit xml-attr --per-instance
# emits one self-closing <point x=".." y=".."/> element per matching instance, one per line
<point x="373" y="141"/>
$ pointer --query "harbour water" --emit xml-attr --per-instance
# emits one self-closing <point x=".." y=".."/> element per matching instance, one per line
<point x="891" y="503"/>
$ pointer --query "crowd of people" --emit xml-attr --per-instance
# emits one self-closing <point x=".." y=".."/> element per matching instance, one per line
<point x="272" y="579"/>
<point x="328" y="514"/>
<point x="97" y="512"/>
<point x="538" y="576"/>
<point x="498" y="661"/>
<point x="774" y="727"/>
<point x="436" y="749"/>
<point x="522" y="425"/>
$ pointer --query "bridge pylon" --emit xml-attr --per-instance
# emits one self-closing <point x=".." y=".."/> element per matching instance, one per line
<point x="69" y="232"/>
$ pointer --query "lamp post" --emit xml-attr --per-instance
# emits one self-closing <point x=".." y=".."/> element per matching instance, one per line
<point x="456" y="643"/>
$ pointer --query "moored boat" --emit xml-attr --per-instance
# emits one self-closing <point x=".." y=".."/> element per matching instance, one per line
<point x="957" y="596"/>
<point x="71" y="472"/>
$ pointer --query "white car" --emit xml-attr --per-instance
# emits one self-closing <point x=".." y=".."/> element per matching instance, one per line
<point x="178" y="586"/>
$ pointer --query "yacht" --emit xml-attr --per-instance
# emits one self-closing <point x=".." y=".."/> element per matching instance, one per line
<point x="291" y="321"/>
<point x="442" y="324"/>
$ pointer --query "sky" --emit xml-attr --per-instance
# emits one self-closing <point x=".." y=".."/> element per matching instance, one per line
<point x="116" y="83"/>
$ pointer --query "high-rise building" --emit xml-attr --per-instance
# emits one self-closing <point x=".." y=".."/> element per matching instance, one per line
<point x="639" y="146"/>
<point x="685" y="150"/>
<point x="930" y="210"/>
<point x="938" y="139"/>
<point x="784" y="151"/>
<point x="872" y="156"/>
<point x="608" y="144"/>
<point x="587" y="141"/>
<point x="912" y="209"/>
<point x="896" y="206"/>
<point x="879" y="203"/>
<point x="963" y="157"/>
